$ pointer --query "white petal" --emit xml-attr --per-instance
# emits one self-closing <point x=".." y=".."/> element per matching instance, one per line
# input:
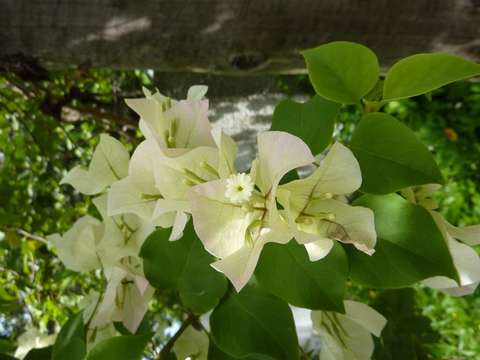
<point x="470" y="235"/>
<point x="303" y="323"/>
<point x="82" y="181"/>
<point x="109" y="163"/>
<point x="193" y="127"/>
<point x="164" y="206"/>
<point x="227" y="153"/>
<point x="465" y="259"/>
<point x="339" y="171"/>
<point x="88" y="304"/>
<point x="275" y="228"/>
<point x="365" y="316"/>
<point x="462" y="290"/>
<point x="112" y="247"/>
<point x="318" y="249"/>
<point x="278" y="153"/>
<point x="32" y="339"/>
<point x="170" y="172"/>
<point x="331" y="348"/>
<point x="359" y="343"/>
<point x="152" y="122"/>
<point x="197" y="92"/>
<point x="467" y="263"/>
<point x="77" y="249"/>
<point x="100" y="203"/>
<point x="110" y="160"/>
<point x="149" y="133"/>
<point x="192" y="344"/>
<point x="144" y="228"/>
<point x="427" y="190"/>
<point x="220" y="225"/>
<point x="317" y="245"/>
<point x="181" y="220"/>
<point x="338" y="174"/>
<point x="239" y="266"/>
<point x="135" y="306"/>
<point x="136" y="193"/>
<point x="142" y="161"/>
<point x="125" y="196"/>
<point x="357" y="221"/>
<point x="141" y="283"/>
<point x="107" y="311"/>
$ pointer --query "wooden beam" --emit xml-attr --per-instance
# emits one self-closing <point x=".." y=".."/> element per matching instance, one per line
<point x="230" y="36"/>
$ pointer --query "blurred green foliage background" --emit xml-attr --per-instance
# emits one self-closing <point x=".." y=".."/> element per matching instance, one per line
<point x="49" y="122"/>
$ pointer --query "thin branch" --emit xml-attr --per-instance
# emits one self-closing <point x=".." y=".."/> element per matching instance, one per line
<point x="26" y="234"/>
<point x="101" y="114"/>
<point x="32" y="236"/>
<point x="164" y="354"/>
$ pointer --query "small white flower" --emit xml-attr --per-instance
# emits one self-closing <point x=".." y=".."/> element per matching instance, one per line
<point x="239" y="188"/>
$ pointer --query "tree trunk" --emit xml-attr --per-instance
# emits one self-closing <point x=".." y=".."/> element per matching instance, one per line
<point x="229" y="36"/>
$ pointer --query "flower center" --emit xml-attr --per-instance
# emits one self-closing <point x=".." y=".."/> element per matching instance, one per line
<point x="239" y="188"/>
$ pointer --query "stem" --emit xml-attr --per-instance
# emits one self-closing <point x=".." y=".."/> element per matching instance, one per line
<point x="26" y="234"/>
<point x="163" y="355"/>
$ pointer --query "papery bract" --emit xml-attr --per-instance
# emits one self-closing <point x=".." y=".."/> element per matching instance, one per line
<point x="182" y="124"/>
<point x="32" y="338"/>
<point x="109" y="163"/>
<point x="77" y="248"/>
<point x="465" y="259"/>
<point x="317" y="218"/>
<point x="348" y="336"/>
<point x="237" y="233"/>
<point x="192" y="344"/>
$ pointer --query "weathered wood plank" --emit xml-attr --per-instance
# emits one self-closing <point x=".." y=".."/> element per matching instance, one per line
<point x="230" y="36"/>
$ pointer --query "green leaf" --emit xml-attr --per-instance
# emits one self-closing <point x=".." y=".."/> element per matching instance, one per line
<point x="6" y="357"/>
<point x="312" y="121"/>
<point x="418" y="74"/>
<point x="214" y="353"/>
<point x="390" y="155"/>
<point x="252" y="323"/>
<point x="183" y="265"/>
<point x="342" y="71"/>
<point x="129" y="347"/>
<point x="7" y="346"/>
<point x="408" y="334"/>
<point x="145" y="326"/>
<point x="287" y="272"/>
<point x="410" y="247"/>
<point x="70" y="341"/>
<point x="39" y="354"/>
<point x="376" y="94"/>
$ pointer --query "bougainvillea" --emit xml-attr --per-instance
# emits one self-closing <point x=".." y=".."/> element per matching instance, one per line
<point x="244" y="247"/>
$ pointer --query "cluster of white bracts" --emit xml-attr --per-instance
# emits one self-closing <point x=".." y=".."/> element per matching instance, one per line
<point x="184" y="169"/>
<point x="459" y="241"/>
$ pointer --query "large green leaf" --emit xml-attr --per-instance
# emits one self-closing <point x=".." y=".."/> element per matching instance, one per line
<point x="390" y="155"/>
<point x="214" y="353"/>
<point x="129" y="347"/>
<point x="287" y="272"/>
<point x="408" y="334"/>
<point x="7" y="346"/>
<point x="183" y="265"/>
<point x="39" y="354"/>
<point x="410" y="247"/>
<point x="70" y="341"/>
<point x="254" y="322"/>
<point x="418" y="74"/>
<point x="312" y="121"/>
<point x="6" y="357"/>
<point x="342" y="71"/>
